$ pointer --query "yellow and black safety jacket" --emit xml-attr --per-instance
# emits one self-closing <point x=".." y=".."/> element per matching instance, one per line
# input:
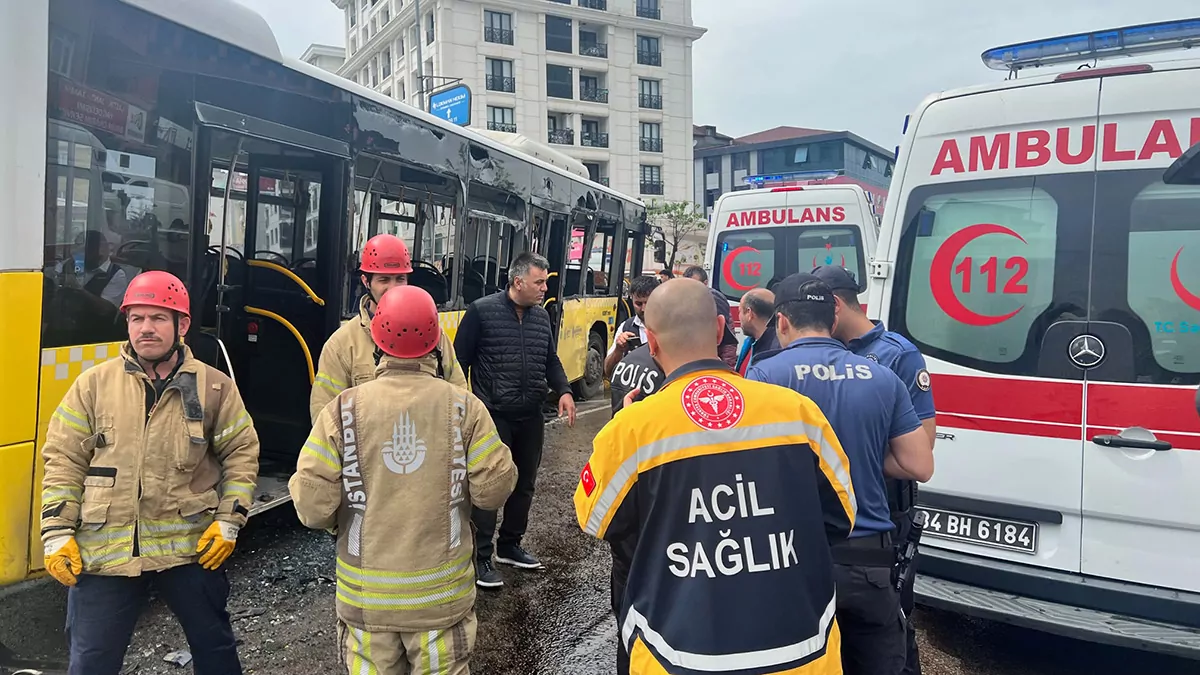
<point x="731" y="491"/>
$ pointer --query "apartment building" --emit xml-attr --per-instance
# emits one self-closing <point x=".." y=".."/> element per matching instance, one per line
<point x="607" y="82"/>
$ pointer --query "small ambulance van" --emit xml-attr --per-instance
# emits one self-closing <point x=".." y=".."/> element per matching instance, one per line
<point x="758" y="237"/>
<point x="1033" y="251"/>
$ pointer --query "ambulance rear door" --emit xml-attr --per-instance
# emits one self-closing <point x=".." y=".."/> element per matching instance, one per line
<point x="989" y="241"/>
<point x="1141" y="461"/>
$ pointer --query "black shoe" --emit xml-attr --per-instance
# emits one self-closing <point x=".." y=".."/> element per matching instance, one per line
<point x="486" y="574"/>
<point x="518" y="557"/>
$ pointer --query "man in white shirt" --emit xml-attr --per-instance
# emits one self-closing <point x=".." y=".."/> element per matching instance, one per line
<point x="93" y="270"/>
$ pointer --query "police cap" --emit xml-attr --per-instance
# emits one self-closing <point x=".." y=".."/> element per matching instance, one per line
<point x="836" y="277"/>
<point x="802" y="287"/>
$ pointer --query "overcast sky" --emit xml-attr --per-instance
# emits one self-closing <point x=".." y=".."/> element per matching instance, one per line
<point x="860" y="65"/>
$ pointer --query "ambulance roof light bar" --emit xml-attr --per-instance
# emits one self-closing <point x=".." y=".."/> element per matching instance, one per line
<point x="1128" y="41"/>
<point x="817" y="174"/>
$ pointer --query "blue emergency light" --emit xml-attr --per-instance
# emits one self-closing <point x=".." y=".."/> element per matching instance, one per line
<point x="816" y="174"/>
<point x="1128" y="41"/>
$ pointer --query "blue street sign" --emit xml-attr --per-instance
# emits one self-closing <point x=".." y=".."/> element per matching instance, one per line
<point x="452" y="105"/>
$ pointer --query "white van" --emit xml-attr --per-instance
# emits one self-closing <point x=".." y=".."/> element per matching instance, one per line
<point x="758" y="237"/>
<point x="1033" y="252"/>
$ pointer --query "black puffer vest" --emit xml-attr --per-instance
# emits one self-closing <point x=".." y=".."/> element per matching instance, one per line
<point x="509" y="375"/>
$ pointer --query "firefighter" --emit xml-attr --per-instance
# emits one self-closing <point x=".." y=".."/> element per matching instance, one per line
<point x="349" y="356"/>
<point x="396" y="464"/>
<point x="151" y="462"/>
<point x="718" y="485"/>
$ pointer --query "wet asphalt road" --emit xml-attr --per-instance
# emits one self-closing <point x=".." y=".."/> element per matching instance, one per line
<point x="542" y="623"/>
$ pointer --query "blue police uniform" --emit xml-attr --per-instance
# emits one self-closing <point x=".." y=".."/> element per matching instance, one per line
<point x="867" y="405"/>
<point x="902" y="357"/>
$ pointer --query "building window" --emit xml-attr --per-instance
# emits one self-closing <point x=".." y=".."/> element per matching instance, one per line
<point x="372" y="70"/>
<point x="651" y="183"/>
<point x="591" y="136"/>
<point x="429" y="28"/>
<point x="353" y="17"/>
<point x="501" y="119"/>
<point x="384" y="16"/>
<point x="649" y="94"/>
<point x="399" y="48"/>
<point x="558" y="81"/>
<point x="601" y="5"/>
<point x="385" y="64"/>
<point x="497" y="27"/>
<point x="740" y="161"/>
<point x="590" y="45"/>
<point x="712" y="165"/>
<point x="353" y="44"/>
<point x="558" y="34"/>
<point x="403" y="90"/>
<point x="590" y="90"/>
<point x="500" y="75"/>
<point x="560" y="134"/>
<point x="649" y="9"/>
<point x="649" y="53"/>
<point x="651" y="138"/>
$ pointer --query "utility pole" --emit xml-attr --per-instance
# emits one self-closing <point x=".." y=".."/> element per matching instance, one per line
<point x="420" y="56"/>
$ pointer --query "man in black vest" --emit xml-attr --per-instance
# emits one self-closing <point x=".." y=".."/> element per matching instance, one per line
<point x="505" y="344"/>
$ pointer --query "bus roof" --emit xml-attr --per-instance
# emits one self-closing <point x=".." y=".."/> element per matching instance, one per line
<point x="240" y="26"/>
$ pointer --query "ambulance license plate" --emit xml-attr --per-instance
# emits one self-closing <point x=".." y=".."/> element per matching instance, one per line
<point x="1011" y="535"/>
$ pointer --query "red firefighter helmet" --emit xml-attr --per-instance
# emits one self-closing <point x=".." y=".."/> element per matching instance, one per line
<point x="386" y="254"/>
<point x="405" y="324"/>
<point x="157" y="289"/>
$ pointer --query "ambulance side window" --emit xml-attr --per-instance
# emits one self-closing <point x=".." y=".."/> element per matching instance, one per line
<point x="744" y="260"/>
<point x="985" y="266"/>
<point x="841" y="246"/>
<point x="1158" y="226"/>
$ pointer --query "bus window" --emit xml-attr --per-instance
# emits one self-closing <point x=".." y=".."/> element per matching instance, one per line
<point x="119" y="161"/>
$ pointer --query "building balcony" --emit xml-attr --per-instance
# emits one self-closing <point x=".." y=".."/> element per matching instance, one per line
<point x="502" y="126"/>
<point x="652" y="187"/>
<point x="647" y="58"/>
<point x="500" y="36"/>
<point x="562" y="136"/>
<point x="653" y="101"/>
<point x="648" y="10"/>
<point x="651" y="144"/>
<point x="595" y="139"/>
<point x="595" y="95"/>
<point x="599" y="51"/>
<point x="601" y="5"/>
<point x="498" y="83"/>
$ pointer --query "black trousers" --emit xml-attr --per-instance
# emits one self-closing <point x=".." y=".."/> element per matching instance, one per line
<point x="524" y="438"/>
<point x="102" y="612"/>
<point x="912" y="665"/>
<point x="868" y="609"/>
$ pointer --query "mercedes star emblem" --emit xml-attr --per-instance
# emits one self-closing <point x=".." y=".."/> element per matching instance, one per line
<point x="1086" y="351"/>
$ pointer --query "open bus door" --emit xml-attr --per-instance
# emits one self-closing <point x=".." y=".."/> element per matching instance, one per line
<point x="267" y="291"/>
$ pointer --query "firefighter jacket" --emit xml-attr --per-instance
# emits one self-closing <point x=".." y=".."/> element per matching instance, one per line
<point x="348" y="360"/>
<point x="396" y="465"/>
<point x="730" y="491"/>
<point x="137" y="477"/>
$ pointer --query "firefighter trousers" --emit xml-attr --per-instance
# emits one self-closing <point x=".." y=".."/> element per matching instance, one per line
<point x="435" y="652"/>
<point x="102" y="612"/>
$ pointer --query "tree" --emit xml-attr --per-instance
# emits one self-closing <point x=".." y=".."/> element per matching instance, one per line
<point x="678" y="220"/>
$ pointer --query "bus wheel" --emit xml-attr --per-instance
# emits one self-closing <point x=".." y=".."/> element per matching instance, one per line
<point x="592" y="383"/>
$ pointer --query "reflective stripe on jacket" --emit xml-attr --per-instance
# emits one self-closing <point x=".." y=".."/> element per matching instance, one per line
<point x="731" y="492"/>
<point x="396" y="465"/>
<point x="137" y="486"/>
<point x="348" y="359"/>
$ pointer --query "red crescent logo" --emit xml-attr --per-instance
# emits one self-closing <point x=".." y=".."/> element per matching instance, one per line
<point x="1190" y="299"/>
<point x="727" y="268"/>
<point x="941" y="275"/>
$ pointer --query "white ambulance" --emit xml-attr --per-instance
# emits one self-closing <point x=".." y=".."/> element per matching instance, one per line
<point x="758" y="237"/>
<point x="1034" y="253"/>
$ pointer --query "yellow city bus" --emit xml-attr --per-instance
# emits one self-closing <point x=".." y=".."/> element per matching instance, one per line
<point x="157" y="134"/>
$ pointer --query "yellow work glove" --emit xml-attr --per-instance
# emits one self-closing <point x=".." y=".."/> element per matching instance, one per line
<point x="222" y="536"/>
<point x="62" y="559"/>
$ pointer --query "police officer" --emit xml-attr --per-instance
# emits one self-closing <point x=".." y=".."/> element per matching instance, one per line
<point x="151" y="462"/>
<point x="870" y="411"/>
<point x="631" y="334"/>
<point x="396" y="464"/>
<point x="711" y="483"/>
<point x="349" y="356"/>
<point x="892" y="350"/>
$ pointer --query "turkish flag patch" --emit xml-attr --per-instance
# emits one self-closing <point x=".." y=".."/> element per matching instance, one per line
<point x="587" y="480"/>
